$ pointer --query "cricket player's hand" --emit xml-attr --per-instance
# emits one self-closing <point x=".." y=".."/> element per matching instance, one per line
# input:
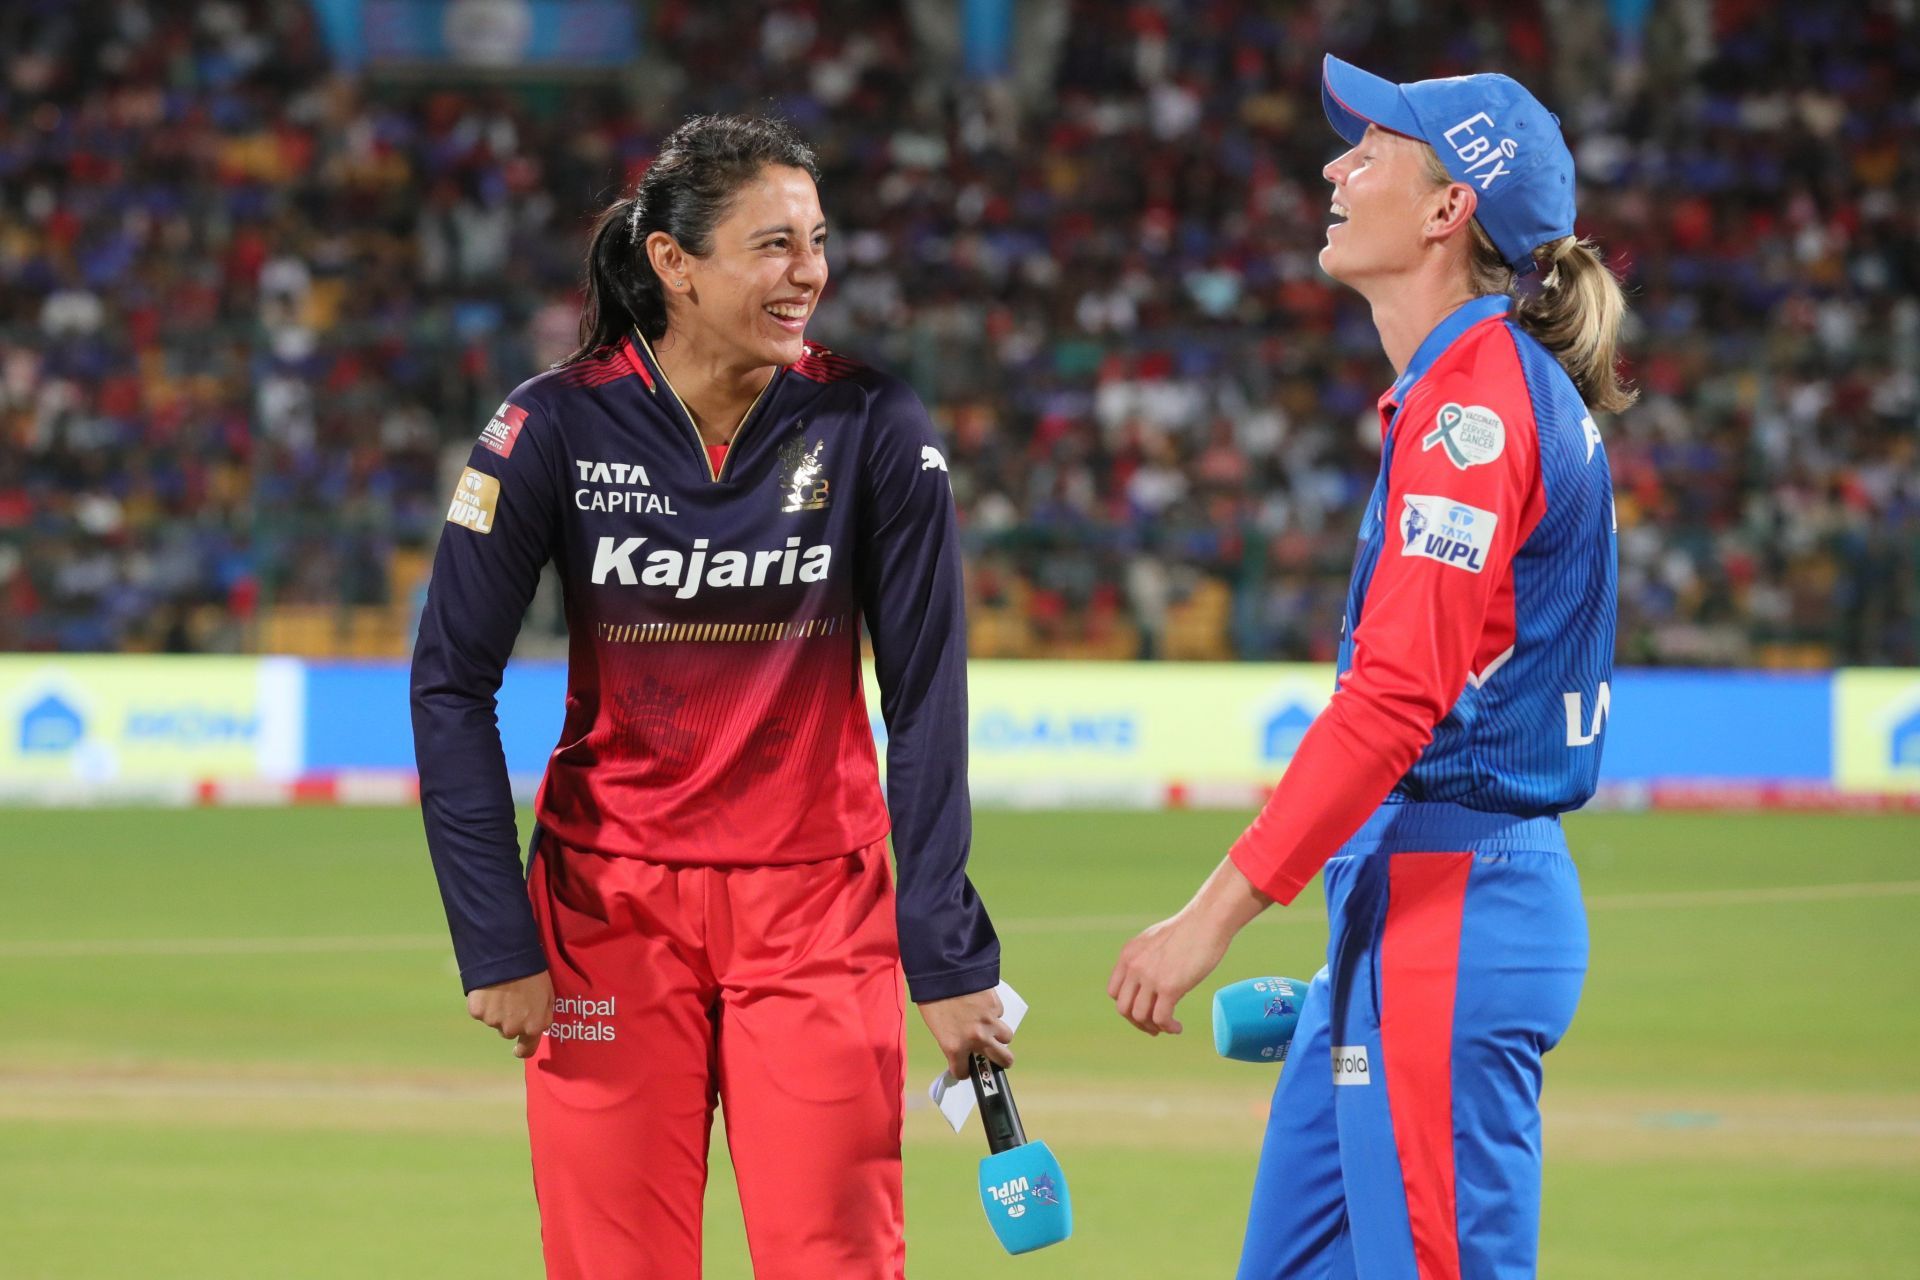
<point x="965" y="1025"/>
<point x="1161" y="964"/>
<point x="521" y="1010"/>
<point x="1169" y="959"/>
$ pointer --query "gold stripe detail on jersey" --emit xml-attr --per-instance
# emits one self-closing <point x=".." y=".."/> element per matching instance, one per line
<point x="719" y="632"/>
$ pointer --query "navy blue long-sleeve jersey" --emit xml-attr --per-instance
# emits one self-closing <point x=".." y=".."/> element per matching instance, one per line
<point x="715" y="713"/>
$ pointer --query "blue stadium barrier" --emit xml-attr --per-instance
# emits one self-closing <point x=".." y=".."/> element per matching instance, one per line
<point x="1734" y="726"/>
<point x="1749" y="726"/>
<point x="358" y="718"/>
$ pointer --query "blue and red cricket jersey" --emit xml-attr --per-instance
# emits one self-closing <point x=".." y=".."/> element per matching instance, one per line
<point x="715" y="713"/>
<point x="1404" y="1138"/>
<point x="1477" y="648"/>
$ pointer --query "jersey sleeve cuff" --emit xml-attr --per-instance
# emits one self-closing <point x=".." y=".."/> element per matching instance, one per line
<point x="956" y="982"/>
<point x="1276" y="882"/>
<point x="521" y="964"/>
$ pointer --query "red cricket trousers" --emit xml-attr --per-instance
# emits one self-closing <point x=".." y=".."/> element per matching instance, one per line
<point x="773" y="990"/>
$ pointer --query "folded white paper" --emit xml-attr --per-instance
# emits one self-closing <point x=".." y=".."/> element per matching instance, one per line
<point x="955" y="1097"/>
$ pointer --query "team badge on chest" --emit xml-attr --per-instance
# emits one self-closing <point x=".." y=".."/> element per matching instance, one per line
<point x="803" y="481"/>
<point x="1472" y="434"/>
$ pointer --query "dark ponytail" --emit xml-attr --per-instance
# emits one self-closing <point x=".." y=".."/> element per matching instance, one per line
<point x="685" y="193"/>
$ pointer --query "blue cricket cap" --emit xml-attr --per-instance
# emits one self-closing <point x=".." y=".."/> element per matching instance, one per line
<point x="1488" y="131"/>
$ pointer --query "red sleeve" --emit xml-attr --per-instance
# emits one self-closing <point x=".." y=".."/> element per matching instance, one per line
<point x="1464" y="492"/>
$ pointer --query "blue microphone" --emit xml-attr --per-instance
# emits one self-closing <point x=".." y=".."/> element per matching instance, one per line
<point x="1021" y="1185"/>
<point x="1253" y="1021"/>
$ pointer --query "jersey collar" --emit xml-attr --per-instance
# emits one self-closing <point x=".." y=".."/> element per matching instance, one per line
<point x="1444" y="335"/>
<point x="639" y="362"/>
<point x="640" y="354"/>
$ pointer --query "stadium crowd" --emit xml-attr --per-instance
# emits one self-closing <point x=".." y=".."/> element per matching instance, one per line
<point x="250" y="306"/>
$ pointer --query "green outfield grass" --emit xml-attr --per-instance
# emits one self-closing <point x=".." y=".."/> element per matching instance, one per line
<point x="236" y="1047"/>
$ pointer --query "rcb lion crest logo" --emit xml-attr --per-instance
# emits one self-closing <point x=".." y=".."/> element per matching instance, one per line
<point x="803" y="487"/>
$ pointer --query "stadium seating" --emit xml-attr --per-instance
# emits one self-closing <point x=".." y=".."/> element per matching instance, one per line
<point x="255" y="309"/>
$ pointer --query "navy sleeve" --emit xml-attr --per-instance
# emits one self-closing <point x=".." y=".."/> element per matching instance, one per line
<point x="498" y="535"/>
<point x="912" y="597"/>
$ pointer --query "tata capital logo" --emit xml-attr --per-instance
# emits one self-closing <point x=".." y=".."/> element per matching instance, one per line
<point x="618" y="487"/>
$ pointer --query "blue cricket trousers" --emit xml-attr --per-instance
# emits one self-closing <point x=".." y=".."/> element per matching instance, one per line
<point x="1404" y="1142"/>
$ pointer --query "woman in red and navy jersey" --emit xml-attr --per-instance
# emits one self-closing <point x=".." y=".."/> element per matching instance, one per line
<point x="1475" y="660"/>
<point x="708" y="913"/>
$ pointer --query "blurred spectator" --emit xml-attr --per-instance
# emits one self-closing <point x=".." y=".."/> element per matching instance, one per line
<point x="250" y="308"/>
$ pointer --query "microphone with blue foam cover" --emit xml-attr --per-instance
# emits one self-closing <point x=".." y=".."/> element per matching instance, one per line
<point x="1022" y="1187"/>
<point x="1253" y="1021"/>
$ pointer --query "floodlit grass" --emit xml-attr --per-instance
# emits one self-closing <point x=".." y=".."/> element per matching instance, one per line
<point x="237" y="1048"/>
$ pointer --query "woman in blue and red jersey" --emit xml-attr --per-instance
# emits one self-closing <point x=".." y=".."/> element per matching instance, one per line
<point x="707" y="912"/>
<point x="1470" y="710"/>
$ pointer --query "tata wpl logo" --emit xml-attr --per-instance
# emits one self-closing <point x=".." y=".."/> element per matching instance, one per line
<point x="1453" y="533"/>
<point x="1011" y="1195"/>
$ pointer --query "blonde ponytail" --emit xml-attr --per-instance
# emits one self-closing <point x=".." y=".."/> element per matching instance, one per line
<point x="1576" y="314"/>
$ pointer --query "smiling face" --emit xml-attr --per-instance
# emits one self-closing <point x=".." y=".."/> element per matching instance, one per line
<point x="1384" y="208"/>
<point x="747" y="302"/>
